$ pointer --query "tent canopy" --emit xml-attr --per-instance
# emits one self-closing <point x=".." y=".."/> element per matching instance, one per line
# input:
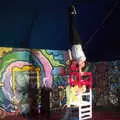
<point x="44" y="24"/>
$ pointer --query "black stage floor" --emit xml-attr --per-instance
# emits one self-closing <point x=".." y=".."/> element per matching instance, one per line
<point x="99" y="113"/>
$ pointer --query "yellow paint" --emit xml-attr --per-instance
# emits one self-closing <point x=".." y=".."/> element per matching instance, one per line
<point x="4" y="50"/>
<point x="38" y="77"/>
<point x="1" y="84"/>
<point x="25" y="68"/>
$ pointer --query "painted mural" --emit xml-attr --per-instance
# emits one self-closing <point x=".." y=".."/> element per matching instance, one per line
<point x="19" y="66"/>
<point x="106" y="83"/>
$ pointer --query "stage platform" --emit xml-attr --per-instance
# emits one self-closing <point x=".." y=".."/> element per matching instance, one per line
<point x="99" y="113"/>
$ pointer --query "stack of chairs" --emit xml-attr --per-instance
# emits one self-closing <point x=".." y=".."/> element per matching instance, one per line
<point x="85" y="96"/>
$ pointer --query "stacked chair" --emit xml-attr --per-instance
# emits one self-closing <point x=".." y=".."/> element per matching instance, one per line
<point x="84" y="82"/>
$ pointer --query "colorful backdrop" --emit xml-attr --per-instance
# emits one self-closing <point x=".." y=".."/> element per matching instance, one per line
<point x="47" y="68"/>
<point x="106" y="83"/>
<point x="18" y="66"/>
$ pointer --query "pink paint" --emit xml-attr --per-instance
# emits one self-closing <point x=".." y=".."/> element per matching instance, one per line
<point x="47" y="67"/>
<point x="18" y="64"/>
<point x="7" y="77"/>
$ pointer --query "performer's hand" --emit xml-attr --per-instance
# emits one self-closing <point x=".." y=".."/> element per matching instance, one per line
<point x="81" y="64"/>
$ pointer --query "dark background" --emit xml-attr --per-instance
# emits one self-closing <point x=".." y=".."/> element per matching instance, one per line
<point x="44" y="24"/>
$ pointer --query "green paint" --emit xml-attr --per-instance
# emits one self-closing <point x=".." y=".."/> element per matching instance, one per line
<point x="12" y="57"/>
<point x="1" y="98"/>
<point x="54" y="63"/>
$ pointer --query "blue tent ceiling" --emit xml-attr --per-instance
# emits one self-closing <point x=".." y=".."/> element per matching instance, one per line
<point x="44" y="24"/>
